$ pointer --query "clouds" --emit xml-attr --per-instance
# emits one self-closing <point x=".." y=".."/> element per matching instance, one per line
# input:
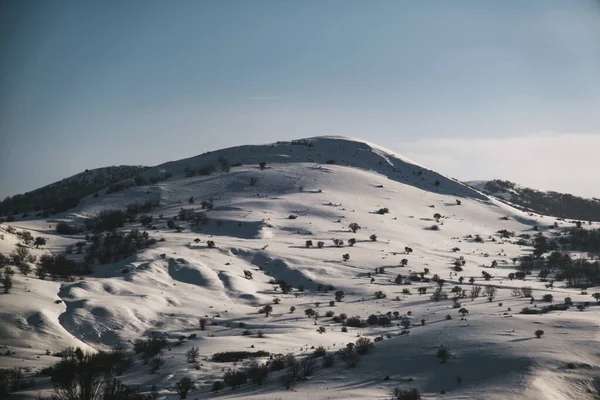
<point x="548" y="161"/>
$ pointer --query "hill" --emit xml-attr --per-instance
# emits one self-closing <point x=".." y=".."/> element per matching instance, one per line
<point x="561" y="205"/>
<point x="255" y="267"/>
<point x="66" y="193"/>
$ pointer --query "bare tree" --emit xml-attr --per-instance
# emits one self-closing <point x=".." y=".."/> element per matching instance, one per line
<point x="184" y="385"/>
<point x="475" y="291"/>
<point x="490" y="292"/>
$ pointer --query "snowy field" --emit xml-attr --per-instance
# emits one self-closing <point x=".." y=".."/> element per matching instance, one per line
<point x="260" y="222"/>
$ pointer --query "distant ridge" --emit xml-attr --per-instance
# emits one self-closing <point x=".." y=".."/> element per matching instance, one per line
<point x="552" y="203"/>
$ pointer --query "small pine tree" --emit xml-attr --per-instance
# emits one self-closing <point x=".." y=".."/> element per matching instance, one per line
<point x="7" y="282"/>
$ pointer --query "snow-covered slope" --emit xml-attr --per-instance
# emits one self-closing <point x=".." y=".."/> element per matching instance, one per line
<point x="260" y="222"/>
<point x="563" y="205"/>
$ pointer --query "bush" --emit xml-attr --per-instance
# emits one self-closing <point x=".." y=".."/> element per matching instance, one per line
<point x="382" y="211"/>
<point x="62" y="228"/>
<point x="443" y="354"/>
<point x="183" y="386"/>
<point x="527" y="310"/>
<point x="149" y="347"/>
<point x="547" y="298"/>
<point x="349" y="356"/>
<point x="307" y="366"/>
<point x="235" y="378"/>
<point x="354" y="227"/>
<point x="539" y="333"/>
<point x="354" y="322"/>
<point x="61" y="267"/>
<point x="363" y="345"/>
<point x="24" y="268"/>
<point x="236" y="356"/>
<point x="380" y="295"/>
<point x="288" y="379"/>
<point x="107" y="220"/>
<point x="373" y="237"/>
<point x="257" y="373"/>
<point x="526" y="291"/>
<point x="156" y="363"/>
<point x="406" y="394"/>
<point x="7" y="282"/>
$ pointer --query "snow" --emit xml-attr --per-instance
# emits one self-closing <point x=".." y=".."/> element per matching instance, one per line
<point x="495" y="352"/>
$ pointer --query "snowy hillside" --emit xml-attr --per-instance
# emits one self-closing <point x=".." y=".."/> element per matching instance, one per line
<point x="66" y="193"/>
<point x="548" y="203"/>
<point x="250" y="238"/>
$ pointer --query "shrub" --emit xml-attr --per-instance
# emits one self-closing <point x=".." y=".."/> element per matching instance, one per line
<point x="380" y="295"/>
<point x="382" y="211"/>
<point x="211" y="244"/>
<point x="235" y="356"/>
<point x="354" y="227"/>
<point x="363" y="345"/>
<point x="183" y="386"/>
<point x="7" y="282"/>
<point x="235" y="378"/>
<point x="266" y="310"/>
<point x="307" y="366"/>
<point x="63" y="228"/>
<point x="156" y="363"/>
<point x="288" y="379"/>
<point x="526" y="291"/>
<point x="568" y="301"/>
<point x="547" y="298"/>
<point x="349" y="356"/>
<point x="149" y="347"/>
<point x="257" y="373"/>
<point x="19" y="254"/>
<point x="373" y="237"/>
<point x="406" y="394"/>
<point x="346" y="257"/>
<point x="539" y="333"/>
<point x="24" y="268"/>
<point x="320" y="244"/>
<point x="354" y="322"/>
<point x="319" y="352"/>
<point x="443" y="354"/>
<point x="308" y="243"/>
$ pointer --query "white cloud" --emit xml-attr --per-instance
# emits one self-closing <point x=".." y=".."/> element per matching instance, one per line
<point x="561" y="162"/>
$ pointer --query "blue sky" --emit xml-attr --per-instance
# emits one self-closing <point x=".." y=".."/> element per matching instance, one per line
<point x="85" y="84"/>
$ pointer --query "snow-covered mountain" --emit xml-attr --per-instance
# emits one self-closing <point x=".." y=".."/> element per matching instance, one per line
<point x="261" y="226"/>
